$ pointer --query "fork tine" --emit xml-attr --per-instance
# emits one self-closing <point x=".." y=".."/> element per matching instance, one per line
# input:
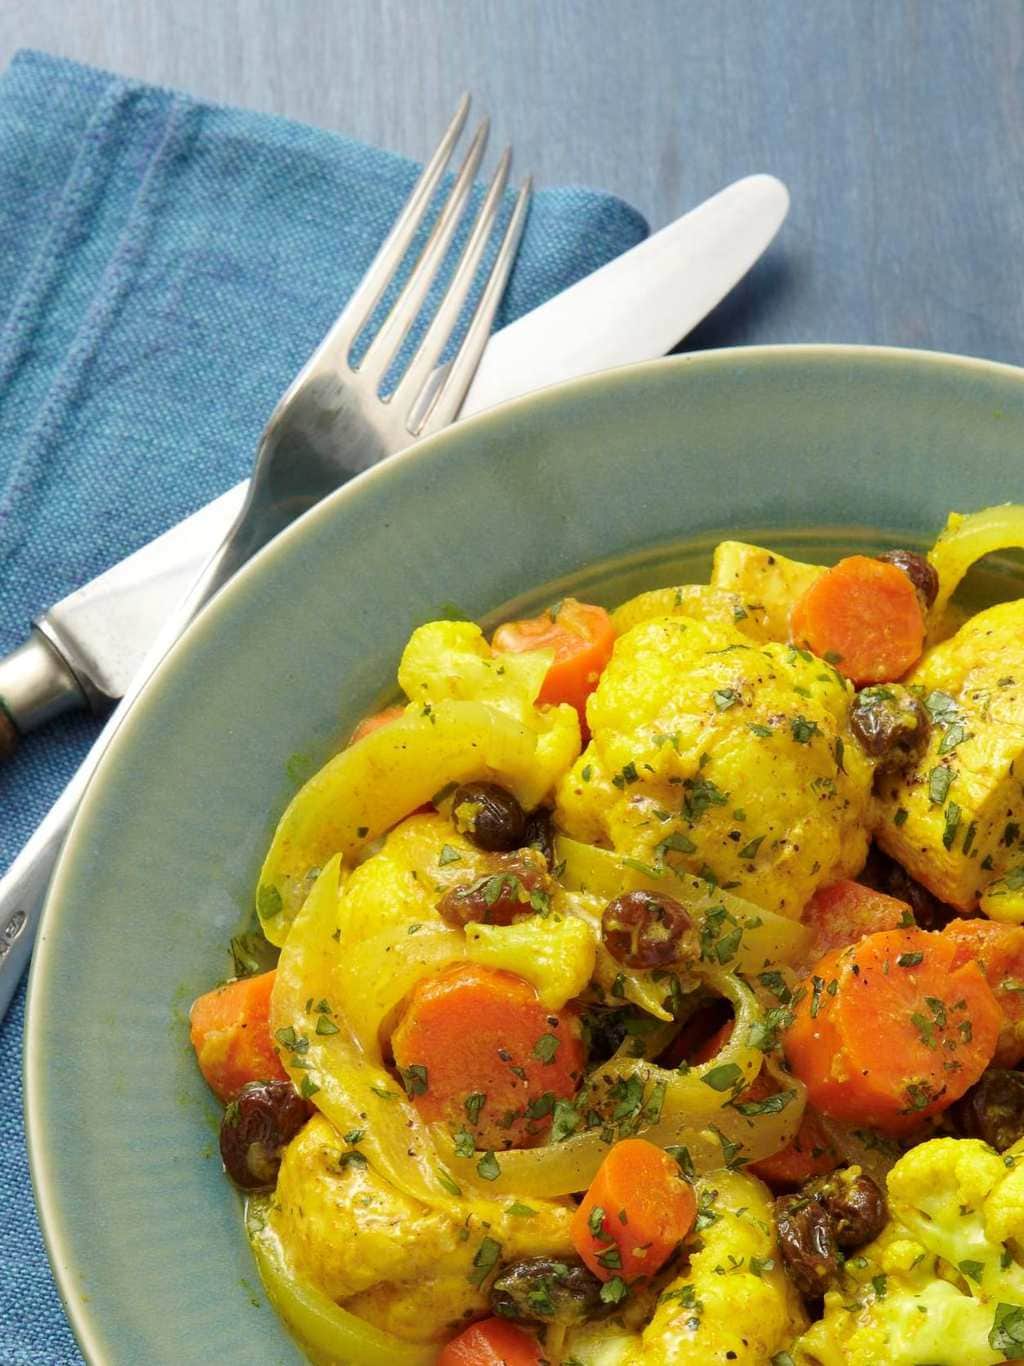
<point x="382" y="351"/>
<point x="445" y="319"/>
<point x="378" y="276"/>
<point x="448" y="400"/>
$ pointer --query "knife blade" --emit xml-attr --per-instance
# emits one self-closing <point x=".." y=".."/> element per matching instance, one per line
<point x="84" y="651"/>
<point x="633" y="309"/>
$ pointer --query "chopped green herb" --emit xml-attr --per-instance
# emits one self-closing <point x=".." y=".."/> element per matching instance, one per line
<point x="414" y="1079"/>
<point x="546" y="1047"/>
<point x="465" y="1144"/>
<point x="488" y="1167"/>
<point x="521" y="1211"/>
<point x="771" y="1105"/>
<point x="972" y="1270"/>
<point x="909" y="960"/>
<point x="725" y="1077"/>
<point x="803" y="729"/>
<point x="901" y="816"/>
<point x="951" y="826"/>
<point x="749" y="851"/>
<point x="939" y="780"/>
<point x="614" y="1291"/>
<point x="1007" y="1335"/>
<point x="484" y="1261"/>
<point x="268" y="902"/>
<point x="448" y="855"/>
<point x="724" y="698"/>
<point x="308" y="1088"/>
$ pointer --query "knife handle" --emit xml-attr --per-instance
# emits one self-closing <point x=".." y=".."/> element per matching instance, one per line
<point x="35" y="686"/>
<point x="8" y="735"/>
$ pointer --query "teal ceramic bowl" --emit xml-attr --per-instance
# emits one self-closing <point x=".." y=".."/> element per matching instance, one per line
<point x="604" y="487"/>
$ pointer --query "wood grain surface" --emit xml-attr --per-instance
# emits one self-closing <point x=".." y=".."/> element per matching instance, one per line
<point x="897" y="124"/>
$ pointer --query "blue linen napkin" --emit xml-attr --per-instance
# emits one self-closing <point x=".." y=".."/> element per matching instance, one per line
<point x="165" y="268"/>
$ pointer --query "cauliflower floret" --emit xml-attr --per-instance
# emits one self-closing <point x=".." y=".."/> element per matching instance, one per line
<point x="409" y="1269"/>
<point x="734" y="1302"/>
<point x="396" y="892"/>
<point x="939" y="1284"/>
<point x="451" y="661"/>
<point x="731" y="760"/>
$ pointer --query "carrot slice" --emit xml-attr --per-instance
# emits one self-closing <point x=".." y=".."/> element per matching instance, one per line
<point x="865" y="617"/>
<point x="230" y="1032"/>
<point x="888" y="1031"/>
<point x="999" y="952"/>
<point x="494" y="1342"/>
<point x="478" y="1051"/>
<point x="371" y="723"/>
<point x="582" y="637"/>
<point x="811" y="1152"/>
<point x="637" y="1210"/>
<point x="845" y="912"/>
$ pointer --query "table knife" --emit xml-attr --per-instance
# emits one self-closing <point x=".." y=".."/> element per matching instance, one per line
<point x="86" y="649"/>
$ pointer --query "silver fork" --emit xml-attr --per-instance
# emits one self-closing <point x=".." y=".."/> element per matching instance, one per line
<point x="330" y="424"/>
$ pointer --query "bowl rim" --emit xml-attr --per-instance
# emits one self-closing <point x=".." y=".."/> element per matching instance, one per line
<point x="84" y="1317"/>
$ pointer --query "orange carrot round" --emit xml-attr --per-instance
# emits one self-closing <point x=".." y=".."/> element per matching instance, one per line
<point x="494" y="1342"/>
<point x="865" y="617"/>
<point x="888" y="1031"/>
<point x="581" y="636"/>
<point x="810" y="1154"/>
<point x="845" y="912"/>
<point x="371" y="723"/>
<point x="999" y="952"/>
<point x="478" y="1051"/>
<point x="230" y="1032"/>
<point x="636" y="1212"/>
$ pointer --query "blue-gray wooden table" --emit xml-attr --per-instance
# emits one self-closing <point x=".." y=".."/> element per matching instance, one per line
<point x="897" y="124"/>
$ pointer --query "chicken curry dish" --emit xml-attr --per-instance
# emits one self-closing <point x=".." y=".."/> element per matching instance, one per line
<point x="647" y="987"/>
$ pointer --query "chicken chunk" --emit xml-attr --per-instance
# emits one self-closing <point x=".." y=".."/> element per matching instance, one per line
<point x="955" y="820"/>
<point x="414" y="1271"/>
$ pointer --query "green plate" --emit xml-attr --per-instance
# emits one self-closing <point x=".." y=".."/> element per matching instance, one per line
<point x="603" y="486"/>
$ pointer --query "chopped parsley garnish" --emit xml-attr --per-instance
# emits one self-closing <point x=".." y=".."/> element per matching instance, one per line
<point x="1007" y="1335"/>
<point x="803" y="729"/>
<point x="268" y="902"/>
<point x="952" y="825"/>
<point x="546" y="1047"/>
<point x="724" y="698"/>
<point x="566" y="1121"/>
<point x="521" y="1211"/>
<point x="627" y="774"/>
<point x="725" y="1077"/>
<point x="939" y="780"/>
<point x="448" y="855"/>
<point x="414" y="1079"/>
<point x="771" y="1105"/>
<point x="465" y="1144"/>
<point x="614" y="1291"/>
<point x="308" y="1088"/>
<point x="972" y="1270"/>
<point x="909" y="960"/>
<point x="485" y="1259"/>
<point x="699" y="795"/>
<point x="473" y="1104"/>
<point x="488" y="1167"/>
<point x="749" y="851"/>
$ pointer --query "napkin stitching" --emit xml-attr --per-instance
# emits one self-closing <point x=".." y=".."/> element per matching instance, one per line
<point x="169" y="141"/>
